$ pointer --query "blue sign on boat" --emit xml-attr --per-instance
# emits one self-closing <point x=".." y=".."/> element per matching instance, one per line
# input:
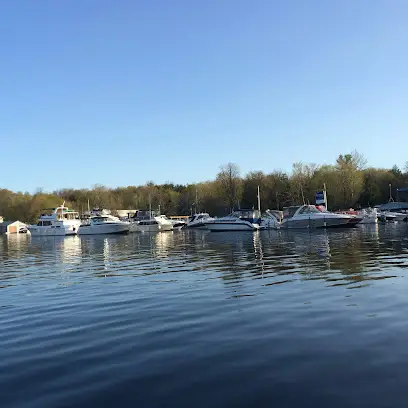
<point x="320" y="197"/>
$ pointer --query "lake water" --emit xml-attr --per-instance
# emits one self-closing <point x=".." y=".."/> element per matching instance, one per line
<point x="199" y="319"/>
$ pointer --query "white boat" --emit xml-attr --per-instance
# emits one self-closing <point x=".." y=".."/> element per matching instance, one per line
<point x="369" y="216"/>
<point x="58" y="221"/>
<point x="391" y="216"/>
<point x="146" y="221"/>
<point x="240" y="220"/>
<point x="104" y="224"/>
<point x="308" y="216"/>
<point x="392" y="211"/>
<point x="199" y="220"/>
<point x="178" y="224"/>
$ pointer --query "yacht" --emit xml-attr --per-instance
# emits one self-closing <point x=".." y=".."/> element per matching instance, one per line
<point x="240" y="220"/>
<point x="308" y="216"/>
<point x="58" y="221"/>
<point x="199" y="220"/>
<point x="147" y="221"/>
<point x="103" y="224"/>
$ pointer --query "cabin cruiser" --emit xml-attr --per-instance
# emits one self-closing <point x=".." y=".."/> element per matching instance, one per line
<point x="103" y="223"/>
<point x="199" y="220"/>
<point x="308" y="216"/>
<point x="147" y="221"/>
<point x="58" y="221"/>
<point x="240" y="220"/>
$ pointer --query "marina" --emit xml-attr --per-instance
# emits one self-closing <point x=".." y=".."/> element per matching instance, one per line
<point x="61" y="221"/>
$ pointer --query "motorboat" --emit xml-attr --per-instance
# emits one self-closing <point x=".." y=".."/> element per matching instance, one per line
<point x="272" y="219"/>
<point x="147" y="221"/>
<point x="366" y="215"/>
<point x="391" y="216"/>
<point x="104" y="224"/>
<point x="199" y="220"/>
<point x="240" y="220"/>
<point x="392" y="211"/>
<point x="308" y="216"/>
<point x="178" y="223"/>
<point x="369" y="216"/>
<point x="58" y="221"/>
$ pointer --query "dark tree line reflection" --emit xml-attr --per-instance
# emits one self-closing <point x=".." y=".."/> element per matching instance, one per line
<point x="339" y="257"/>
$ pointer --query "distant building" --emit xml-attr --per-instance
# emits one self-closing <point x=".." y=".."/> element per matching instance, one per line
<point x="124" y="213"/>
<point x="12" y="227"/>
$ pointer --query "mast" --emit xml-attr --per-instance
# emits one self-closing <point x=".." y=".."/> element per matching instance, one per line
<point x="325" y="196"/>
<point x="150" y="205"/>
<point x="259" y="200"/>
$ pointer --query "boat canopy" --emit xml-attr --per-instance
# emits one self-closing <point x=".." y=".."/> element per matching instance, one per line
<point x="393" y="205"/>
<point x="289" y="212"/>
<point x="246" y="214"/>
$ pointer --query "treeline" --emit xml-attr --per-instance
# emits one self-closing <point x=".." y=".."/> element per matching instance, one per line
<point x="349" y="182"/>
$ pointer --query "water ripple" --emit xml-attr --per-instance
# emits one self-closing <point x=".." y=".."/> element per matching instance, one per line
<point x="201" y="319"/>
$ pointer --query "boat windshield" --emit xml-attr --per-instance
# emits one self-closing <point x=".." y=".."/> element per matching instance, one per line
<point x="100" y="219"/>
<point x="308" y="209"/>
<point x="247" y="214"/>
<point x="289" y="212"/>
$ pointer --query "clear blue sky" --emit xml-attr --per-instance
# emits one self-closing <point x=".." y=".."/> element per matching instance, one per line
<point x="122" y="92"/>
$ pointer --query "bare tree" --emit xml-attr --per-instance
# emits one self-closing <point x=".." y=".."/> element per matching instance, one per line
<point x="230" y="184"/>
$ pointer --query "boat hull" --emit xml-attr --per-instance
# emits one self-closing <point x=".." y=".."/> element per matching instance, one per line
<point x="199" y="225"/>
<point x="231" y="226"/>
<point x="151" y="228"/>
<point x="392" y="216"/>
<point x="323" y="222"/>
<point x="38" y="231"/>
<point x="104" y="229"/>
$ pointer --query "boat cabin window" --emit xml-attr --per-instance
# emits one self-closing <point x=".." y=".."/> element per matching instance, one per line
<point x="309" y="209"/>
<point x="246" y="214"/>
<point x="148" y="222"/>
<point x="44" y="223"/>
<point x="289" y="212"/>
<point x="100" y="219"/>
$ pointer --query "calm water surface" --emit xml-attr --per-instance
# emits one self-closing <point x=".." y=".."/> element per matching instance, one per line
<point x="200" y="319"/>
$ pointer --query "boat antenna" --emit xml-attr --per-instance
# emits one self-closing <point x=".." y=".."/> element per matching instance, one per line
<point x="259" y="200"/>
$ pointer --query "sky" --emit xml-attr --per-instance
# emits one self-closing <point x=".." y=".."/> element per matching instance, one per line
<point x="122" y="92"/>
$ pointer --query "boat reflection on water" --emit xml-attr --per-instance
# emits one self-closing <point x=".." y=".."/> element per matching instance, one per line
<point x="17" y="242"/>
<point x="162" y="243"/>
